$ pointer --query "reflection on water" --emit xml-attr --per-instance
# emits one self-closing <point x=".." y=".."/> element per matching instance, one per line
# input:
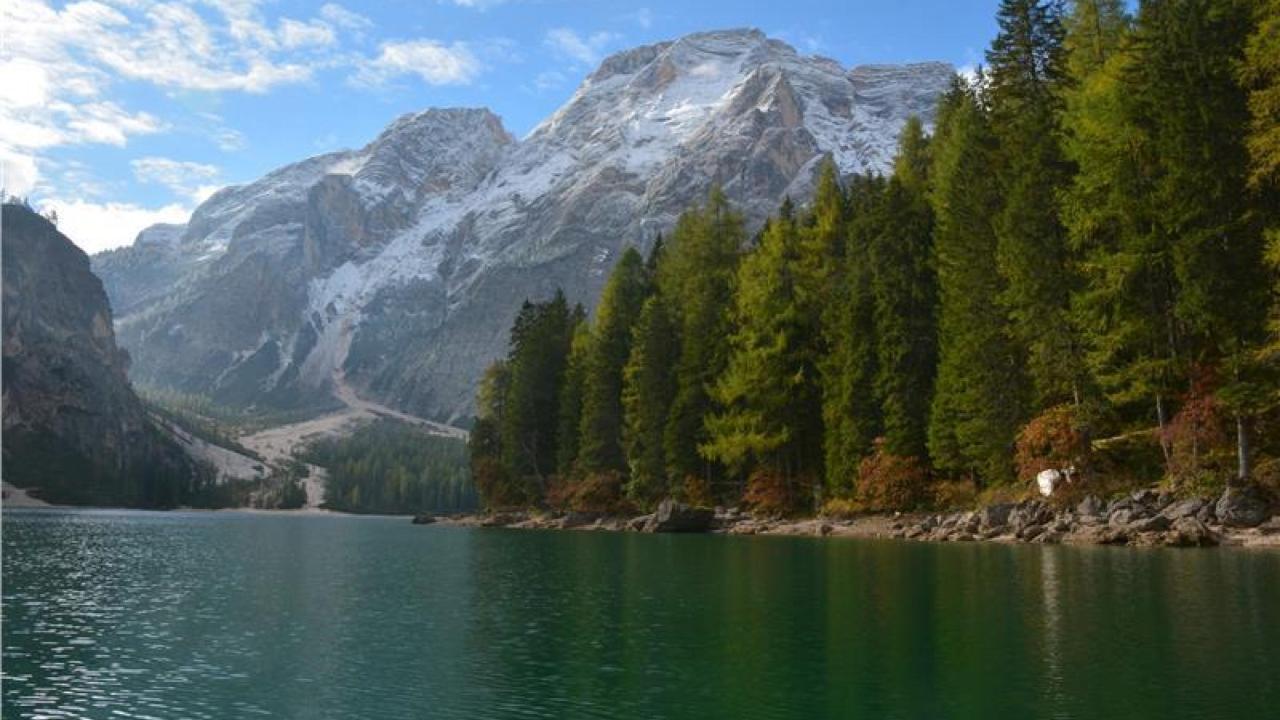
<point x="215" y="615"/>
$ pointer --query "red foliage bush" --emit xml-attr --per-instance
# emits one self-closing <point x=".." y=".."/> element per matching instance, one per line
<point x="769" y="493"/>
<point x="696" y="491"/>
<point x="1053" y="440"/>
<point x="891" y="482"/>
<point x="1198" y="437"/>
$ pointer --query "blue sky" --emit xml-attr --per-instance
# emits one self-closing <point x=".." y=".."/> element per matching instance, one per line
<point x="120" y="113"/>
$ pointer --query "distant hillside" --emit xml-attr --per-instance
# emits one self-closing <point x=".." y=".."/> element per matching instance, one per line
<point x="73" y="427"/>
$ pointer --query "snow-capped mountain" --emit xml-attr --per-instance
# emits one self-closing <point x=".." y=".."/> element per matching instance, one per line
<point x="401" y="265"/>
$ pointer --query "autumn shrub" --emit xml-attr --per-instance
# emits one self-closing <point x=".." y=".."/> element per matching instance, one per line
<point x="769" y="493"/>
<point x="1053" y="440"/>
<point x="494" y="485"/>
<point x="695" y="491"/>
<point x="560" y="493"/>
<point x="955" y="494"/>
<point x="841" y="508"/>
<point x="600" y="492"/>
<point x="891" y="482"/>
<point x="1198" y="439"/>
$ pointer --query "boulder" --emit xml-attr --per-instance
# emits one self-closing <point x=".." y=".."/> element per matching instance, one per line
<point x="574" y="519"/>
<point x="1155" y="523"/>
<point x="636" y="524"/>
<point x="672" y="516"/>
<point x="1184" y="508"/>
<point x="1190" y="532"/>
<point x="1242" y="507"/>
<point x="994" y="517"/>
<point x="423" y="519"/>
<point x="1030" y="532"/>
<point x="1091" y="507"/>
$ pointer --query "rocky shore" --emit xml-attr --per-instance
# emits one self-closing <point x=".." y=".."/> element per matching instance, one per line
<point x="1148" y="518"/>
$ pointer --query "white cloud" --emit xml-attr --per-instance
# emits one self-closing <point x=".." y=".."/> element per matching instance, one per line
<point x="586" y="50"/>
<point x="229" y="140"/>
<point x="102" y="226"/>
<point x="344" y="18"/>
<point x="477" y="4"/>
<point x="18" y="172"/>
<point x="295" y="34"/>
<point x="432" y="61"/>
<point x="188" y="179"/>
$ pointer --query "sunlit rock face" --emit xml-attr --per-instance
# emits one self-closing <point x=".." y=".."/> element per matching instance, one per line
<point x="403" y="263"/>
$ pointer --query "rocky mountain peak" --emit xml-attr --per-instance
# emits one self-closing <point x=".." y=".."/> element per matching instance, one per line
<point x="400" y="264"/>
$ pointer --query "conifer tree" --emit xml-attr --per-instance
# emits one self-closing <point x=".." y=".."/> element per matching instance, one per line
<point x="1188" y="92"/>
<point x="850" y="413"/>
<point x="1026" y="78"/>
<point x="539" y="351"/>
<point x="570" y="410"/>
<point x="697" y="273"/>
<point x="600" y="437"/>
<point x="769" y="393"/>
<point x="647" y="391"/>
<point x="904" y="294"/>
<point x="979" y="397"/>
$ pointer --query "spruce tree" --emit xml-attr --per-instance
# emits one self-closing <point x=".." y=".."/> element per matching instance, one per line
<point x="600" y="435"/>
<point x="850" y="413"/>
<point x="979" y="397"/>
<point x="536" y="362"/>
<point x="904" y="294"/>
<point x="647" y="391"/>
<point x="697" y="274"/>
<point x="570" y="410"/>
<point x="1026" y="78"/>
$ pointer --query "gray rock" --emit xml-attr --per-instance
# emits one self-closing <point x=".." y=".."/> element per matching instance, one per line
<point x="1155" y="523"/>
<point x="574" y="519"/>
<point x="636" y="524"/>
<point x="994" y="516"/>
<point x="1091" y="507"/>
<point x="1190" y="532"/>
<point x="1185" y="508"/>
<point x="1030" y="532"/>
<point x="672" y="516"/>
<point x="1242" y="507"/>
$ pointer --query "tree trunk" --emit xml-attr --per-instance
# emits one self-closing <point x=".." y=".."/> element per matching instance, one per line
<point x="1243" y="450"/>
<point x="1162" y="421"/>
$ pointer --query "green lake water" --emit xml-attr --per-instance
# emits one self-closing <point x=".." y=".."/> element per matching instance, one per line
<point x="116" y="614"/>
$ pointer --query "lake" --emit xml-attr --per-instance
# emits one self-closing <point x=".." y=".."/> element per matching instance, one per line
<point x="221" y="615"/>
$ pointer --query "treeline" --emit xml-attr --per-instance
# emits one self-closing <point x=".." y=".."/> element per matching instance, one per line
<point x="389" y="467"/>
<point x="1077" y="257"/>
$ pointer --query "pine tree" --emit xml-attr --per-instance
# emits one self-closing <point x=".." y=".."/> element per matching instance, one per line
<point x="850" y="413"/>
<point x="979" y="397"/>
<point x="600" y="436"/>
<point x="1260" y="73"/>
<point x="1025" y="91"/>
<point x="698" y="271"/>
<point x="904" y="294"/>
<point x="539" y="352"/>
<point x="1189" y="95"/>
<point x="647" y="391"/>
<point x="769" y="392"/>
<point x="570" y="410"/>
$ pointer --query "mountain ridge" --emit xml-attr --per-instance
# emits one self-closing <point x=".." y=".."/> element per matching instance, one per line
<point x="400" y="264"/>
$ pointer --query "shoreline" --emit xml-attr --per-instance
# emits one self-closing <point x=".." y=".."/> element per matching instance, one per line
<point x="1143" y="519"/>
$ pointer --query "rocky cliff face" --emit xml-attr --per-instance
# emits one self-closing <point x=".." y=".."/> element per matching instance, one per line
<point x="401" y="265"/>
<point x="72" y="425"/>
